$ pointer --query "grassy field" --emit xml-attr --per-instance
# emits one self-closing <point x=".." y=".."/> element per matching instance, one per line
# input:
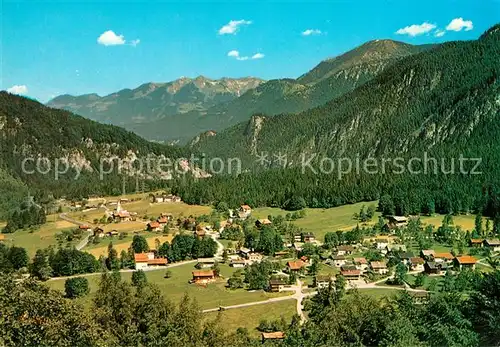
<point x="214" y="295"/>
<point x="466" y="222"/>
<point x="44" y="237"/>
<point x="145" y="208"/>
<point x="321" y="221"/>
<point x="128" y="227"/>
<point x="379" y="293"/>
<point x="427" y="280"/>
<point x="249" y="317"/>
<point x="124" y="244"/>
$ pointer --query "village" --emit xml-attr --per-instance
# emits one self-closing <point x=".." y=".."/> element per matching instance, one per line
<point x="248" y="255"/>
<point x="303" y="264"/>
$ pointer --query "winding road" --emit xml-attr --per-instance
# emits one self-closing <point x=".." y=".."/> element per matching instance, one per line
<point x="299" y="296"/>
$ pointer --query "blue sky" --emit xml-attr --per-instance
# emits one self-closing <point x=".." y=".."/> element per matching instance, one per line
<point x="51" y="48"/>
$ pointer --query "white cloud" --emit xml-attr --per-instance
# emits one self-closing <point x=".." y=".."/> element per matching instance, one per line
<point x="439" y="33"/>
<point x="109" y="38"/>
<point x="21" y="89"/>
<point x="416" y="29"/>
<point x="236" y="54"/>
<point x="458" y="24"/>
<point x="310" y="32"/>
<point x="233" y="26"/>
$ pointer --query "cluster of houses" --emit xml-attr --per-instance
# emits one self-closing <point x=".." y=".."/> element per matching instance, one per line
<point x="244" y="257"/>
<point x="119" y="214"/>
<point x="429" y="261"/>
<point x="159" y="223"/>
<point x="162" y="197"/>
<point x="492" y="244"/>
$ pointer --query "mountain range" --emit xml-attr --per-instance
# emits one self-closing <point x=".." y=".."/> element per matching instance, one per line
<point x="423" y="134"/>
<point x="443" y="99"/>
<point x="398" y="101"/>
<point x="181" y="109"/>
<point x="152" y="101"/>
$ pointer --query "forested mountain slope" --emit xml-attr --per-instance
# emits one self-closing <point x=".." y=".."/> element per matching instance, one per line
<point x="331" y="78"/>
<point x="34" y="138"/>
<point x="445" y="102"/>
<point x="152" y="101"/>
<point x="446" y="96"/>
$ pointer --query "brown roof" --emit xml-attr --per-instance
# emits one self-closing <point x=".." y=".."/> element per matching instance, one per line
<point x="492" y="242"/>
<point x="2" y="236"/>
<point x="158" y="261"/>
<point x="84" y="227"/>
<point x="360" y="260"/>
<point x="295" y="265"/>
<point x="378" y="265"/>
<point x="277" y="282"/>
<point x="350" y="272"/>
<point x="154" y="224"/>
<point x="245" y="207"/>
<point x="208" y="273"/>
<point x="273" y="336"/>
<point x="444" y="255"/>
<point x="466" y="259"/>
<point x="476" y="240"/>
<point x="345" y="248"/>
<point x="417" y="260"/>
<point x="162" y="220"/>
<point x="264" y="221"/>
<point x="141" y="257"/>
<point x="123" y="214"/>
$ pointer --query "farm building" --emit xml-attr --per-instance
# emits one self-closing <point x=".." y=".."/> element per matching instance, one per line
<point x="203" y="277"/>
<point x="147" y="260"/>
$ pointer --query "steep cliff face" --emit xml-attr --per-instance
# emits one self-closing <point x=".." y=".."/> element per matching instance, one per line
<point x="443" y="100"/>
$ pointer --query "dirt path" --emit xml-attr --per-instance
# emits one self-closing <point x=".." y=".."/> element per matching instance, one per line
<point x="83" y="242"/>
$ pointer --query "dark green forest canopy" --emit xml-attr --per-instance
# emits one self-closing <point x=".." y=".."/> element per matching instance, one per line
<point x="32" y="130"/>
<point x="122" y="314"/>
<point x="443" y="102"/>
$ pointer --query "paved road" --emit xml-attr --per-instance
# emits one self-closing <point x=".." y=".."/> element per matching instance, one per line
<point x="83" y="242"/>
<point x="220" y="246"/>
<point x="299" y="296"/>
<point x="169" y="266"/>
<point x="268" y="301"/>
